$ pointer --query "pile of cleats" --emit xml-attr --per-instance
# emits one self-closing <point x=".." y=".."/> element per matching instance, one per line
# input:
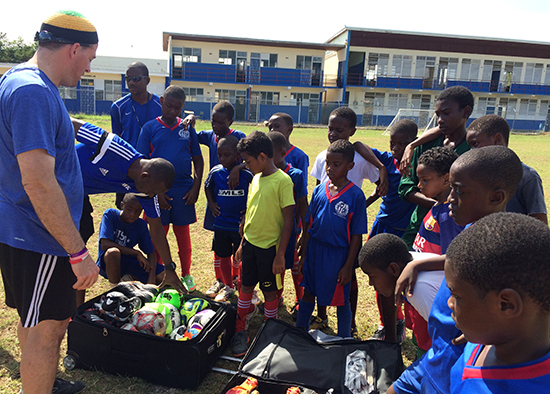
<point x="219" y="291"/>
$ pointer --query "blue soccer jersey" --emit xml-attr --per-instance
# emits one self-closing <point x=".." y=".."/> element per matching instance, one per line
<point x="298" y="159"/>
<point x="128" y="117"/>
<point x="104" y="160"/>
<point x="210" y="139"/>
<point x="437" y="231"/>
<point x="232" y="202"/>
<point x="529" y="377"/>
<point x="300" y="190"/>
<point x="394" y="214"/>
<point x="174" y="144"/>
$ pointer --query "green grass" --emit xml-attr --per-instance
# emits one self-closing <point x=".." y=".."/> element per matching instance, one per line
<point x="531" y="149"/>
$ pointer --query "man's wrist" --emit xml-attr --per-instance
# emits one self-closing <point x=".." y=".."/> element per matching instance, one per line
<point x="171" y="266"/>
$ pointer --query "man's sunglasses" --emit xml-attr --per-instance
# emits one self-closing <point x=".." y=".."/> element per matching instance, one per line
<point x="46" y="36"/>
<point x="134" y="79"/>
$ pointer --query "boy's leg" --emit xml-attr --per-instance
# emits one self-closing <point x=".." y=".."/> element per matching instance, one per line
<point x="217" y="267"/>
<point x="112" y="257"/>
<point x="249" y="280"/>
<point x="271" y="305"/>
<point x="389" y="317"/>
<point x="343" y="313"/>
<point x="400" y="315"/>
<point x="353" y="299"/>
<point x="307" y="305"/>
<point x="183" y="239"/>
<point x="297" y="279"/>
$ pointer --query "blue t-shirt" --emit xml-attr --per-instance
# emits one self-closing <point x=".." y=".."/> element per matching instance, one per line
<point x="125" y="234"/>
<point x="33" y="116"/>
<point x="106" y="171"/>
<point x="437" y="231"/>
<point x="128" y="117"/>
<point x="394" y="212"/>
<point x="174" y="144"/>
<point x="529" y="377"/>
<point x="210" y="139"/>
<point x="334" y="219"/>
<point x="298" y="159"/>
<point x="232" y="202"/>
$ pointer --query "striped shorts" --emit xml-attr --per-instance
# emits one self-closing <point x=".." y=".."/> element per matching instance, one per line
<point x="38" y="285"/>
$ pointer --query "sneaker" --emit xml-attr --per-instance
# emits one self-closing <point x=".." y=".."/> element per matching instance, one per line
<point x="250" y="316"/>
<point x="255" y="298"/>
<point x="294" y="311"/>
<point x="355" y="333"/>
<point x="224" y="294"/>
<point x="216" y="287"/>
<point x="189" y="283"/>
<point x="380" y="333"/>
<point x="317" y="323"/>
<point x="239" y="343"/>
<point x="61" y="386"/>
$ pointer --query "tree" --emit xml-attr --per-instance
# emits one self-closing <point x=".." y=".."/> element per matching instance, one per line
<point x="16" y="51"/>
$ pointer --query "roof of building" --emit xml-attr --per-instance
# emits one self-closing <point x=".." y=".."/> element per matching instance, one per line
<point x="248" y="41"/>
<point x="396" y="39"/>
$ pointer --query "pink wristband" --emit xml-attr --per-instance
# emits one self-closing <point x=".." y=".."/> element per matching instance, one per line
<point x="78" y="257"/>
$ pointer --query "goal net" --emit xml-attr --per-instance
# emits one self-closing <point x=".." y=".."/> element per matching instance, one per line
<point x="424" y="118"/>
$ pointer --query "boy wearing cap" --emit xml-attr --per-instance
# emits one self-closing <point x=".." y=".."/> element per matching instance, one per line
<point x="42" y="256"/>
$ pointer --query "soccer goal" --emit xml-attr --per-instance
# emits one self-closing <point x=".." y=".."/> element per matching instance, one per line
<point x="424" y="118"/>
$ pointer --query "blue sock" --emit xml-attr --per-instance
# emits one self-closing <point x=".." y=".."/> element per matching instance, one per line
<point x="304" y="314"/>
<point x="344" y="320"/>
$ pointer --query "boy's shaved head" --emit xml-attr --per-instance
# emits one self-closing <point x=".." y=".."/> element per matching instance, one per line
<point x="493" y="167"/>
<point x="344" y="147"/>
<point x="278" y="139"/>
<point x="504" y="250"/>
<point x="229" y="141"/>
<point x="458" y="94"/>
<point x="382" y="250"/>
<point x="226" y="108"/>
<point x="346" y="113"/>
<point x="175" y="91"/>
<point x="286" y="117"/>
<point x="491" y="125"/>
<point x="405" y="126"/>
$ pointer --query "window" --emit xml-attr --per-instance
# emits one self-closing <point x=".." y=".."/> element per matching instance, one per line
<point x="547" y="75"/>
<point x="486" y="106"/>
<point x="544" y="110"/>
<point x="113" y="90"/>
<point x="533" y="73"/>
<point x="266" y="59"/>
<point x="421" y="101"/>
<point x="180" y="55"/>
<point x="469" y="70"/>
<point x="512" y="72"/>
<point x="227" y="57"/>
<point x="488" y="67"/>
<point x="423" y="66"/>
<point x="194" y="94"/>
<point x="397" y="101"/>
<point x="527" y="107"/>
<point x="228" y="95"/>
<point x="377" y="65"/>
<point x="401" y="66"/>
<point x="67" y="93"/>
<point x="448" y="69"/>
<point x="269" y="98"/>
<point x="303" y="98"/>
<point x="374" y="101"/>
<point x="508" y="107"/>
<point x="303" y="62"/>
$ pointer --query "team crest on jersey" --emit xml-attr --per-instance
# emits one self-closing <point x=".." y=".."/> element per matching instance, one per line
<point x="430" y="224"/>
<point x="341" y="209"/>
<point x="231" y="193"/>
<point x="184" y="134"/>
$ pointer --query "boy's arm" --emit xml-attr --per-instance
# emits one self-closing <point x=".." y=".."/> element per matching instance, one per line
<point x="234" y="175"/>
<point x="408" y="186"/>
<point x="345" y="274"/>
<point x="108" y="244"/>
<point x="405" y="282"/>
<point x="427" y="136"/>
<point x="372" y="198"/>
<point x="368" y="155"/>
<point x="212" y="204"/>
<point x="152" y="259"/>
<point x="279" y="261"/>
<point x="116" y="124"/>
<point x="303" y="247"/>
<point x="198" y="167"/>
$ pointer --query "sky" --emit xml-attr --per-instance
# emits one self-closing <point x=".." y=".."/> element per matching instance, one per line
<point x="134" y="29"/>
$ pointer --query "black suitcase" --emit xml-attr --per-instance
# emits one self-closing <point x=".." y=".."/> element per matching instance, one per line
<point x="163" y="361"/>
<point x="282" y="356"/>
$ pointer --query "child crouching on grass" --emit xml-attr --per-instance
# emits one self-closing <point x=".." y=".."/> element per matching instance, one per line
<point x="334" y="224"/>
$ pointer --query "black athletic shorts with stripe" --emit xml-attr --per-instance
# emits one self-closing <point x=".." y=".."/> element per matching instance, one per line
<point x="38" y="285"/>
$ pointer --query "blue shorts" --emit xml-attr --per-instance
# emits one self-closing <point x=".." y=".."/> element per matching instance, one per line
<point x="321" y="267"/>
<point x="410" y="381"/>
<point x="129" y="265"/>
<point x="181" y="214"/>
<point x="379" y="227"/>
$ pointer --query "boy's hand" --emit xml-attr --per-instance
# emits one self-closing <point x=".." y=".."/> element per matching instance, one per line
<point x="172" y="279"/>
<point x="383" y="186"/>
<point x="405" y="283"/>
<point x="192" y="195"/>
<point x="459" y="340"/>
<point x="239" y="254"/>
<point x="143" y="261"/>
<point x="163" y="201"/>
<point x="405" y="165"/>
<point x="234" y="176"/>
<point x="344" y="276"/>
<point x="188" y="121"/>
<point x="214" y="208"/>
<point x="301" y="265"/>
<point x="86" y="273"/>
<point x="279" y="264"/>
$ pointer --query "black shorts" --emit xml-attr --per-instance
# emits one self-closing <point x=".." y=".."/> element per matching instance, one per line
<point x="225" y="243"/>
<point x="258" y="267"/>
<point x="38" y="285"/>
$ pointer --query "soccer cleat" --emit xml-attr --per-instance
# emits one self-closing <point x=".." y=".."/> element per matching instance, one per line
<point x="224" y="294"/>
<point x="239" y="343"/>
<point x="189" y="283"/>
<point x="380" y="333"/>
<point x="216" y="287"/>
<point x="294" y="311"/>
<point x="127" y="308"/>
<point x="317" y="323"/>
<point x="255" y="298"/>
<point x="355" y="333"/>
<point x="61" y="386"/>
<point x="249" y="316"/>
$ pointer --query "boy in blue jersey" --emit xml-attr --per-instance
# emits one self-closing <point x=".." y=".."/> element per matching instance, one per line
<point x="119" y="233"/>
<point x="437" y="229"/>
<point x="482" y="182"/>
<point x="498" y="272"/>
<point x="228" y="206"/>
<point x="300" y="198"/>
<point x="167" y="138"/>
<point x="284" y="124"/>
<point x="334" y="224"/>
<point x="266" y="233"/>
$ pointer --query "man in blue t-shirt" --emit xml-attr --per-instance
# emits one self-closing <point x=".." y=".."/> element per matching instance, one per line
<point x="42" y="256"/>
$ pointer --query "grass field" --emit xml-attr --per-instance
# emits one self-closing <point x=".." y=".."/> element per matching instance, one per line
<point x="533" y="150"/>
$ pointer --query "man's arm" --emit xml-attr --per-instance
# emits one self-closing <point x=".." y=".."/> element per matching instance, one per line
<point x="368" y="155"/>
<point x="116" y="123"/>
<point x="38" y="178"/>
<point x="279" y="261"/>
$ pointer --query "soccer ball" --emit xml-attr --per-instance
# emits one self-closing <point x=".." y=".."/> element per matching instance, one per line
<point x="170" y="312"/>
<point x="192" y="332"/>
<point x="202" y="317"/>
<point x="129" y="327"/>
<point x="191" y="307"/>
<point x="178" y="333"/>
<point x="149" y="321"/>
<point x="170" y="297"/>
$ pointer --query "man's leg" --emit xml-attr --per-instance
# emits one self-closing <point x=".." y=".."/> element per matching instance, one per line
<point x="40" y="354"/>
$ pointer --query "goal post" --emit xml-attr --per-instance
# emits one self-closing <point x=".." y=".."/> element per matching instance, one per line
<point x="424" y="118"/>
